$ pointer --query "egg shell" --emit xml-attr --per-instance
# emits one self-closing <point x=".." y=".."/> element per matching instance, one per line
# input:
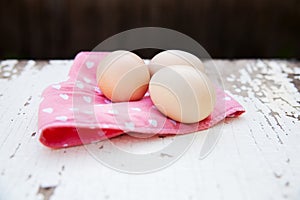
<point x="174" y="57"/>
<point x="123" y="76"/>
<point x="182" y="93"/>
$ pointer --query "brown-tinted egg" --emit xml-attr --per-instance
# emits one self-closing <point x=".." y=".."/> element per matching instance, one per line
<point x="174" y="57"/>
<point x="182" y="93"/>
<point x="123" y="76"/>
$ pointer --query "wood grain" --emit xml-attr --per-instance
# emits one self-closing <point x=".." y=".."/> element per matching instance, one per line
<point x="257" y="156"/>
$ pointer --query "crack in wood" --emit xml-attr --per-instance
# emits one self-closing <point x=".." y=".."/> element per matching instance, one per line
<point x="41" y="64"/>
<point x="287" y="184"/>
<point x="9" y="70"/>
<point x="272" y="114"/>
<point x="29" y="177"/>
<point x="286" y="101"/>
<point x="28" y="101"/>
<point x="272" y="127"/>
<point x="62" y="169"/>
<point x="47" y="192"/>
<point x="277" y="175"/>
<point x="292" y="116"/>
<point x="252" y="136"/>
<point x="295" y="81"/>
<point x="263" y="128"/>
<point x="17" y="148"/>
<point x="163" y="155"/>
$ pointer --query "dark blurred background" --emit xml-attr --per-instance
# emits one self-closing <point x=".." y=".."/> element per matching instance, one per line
<point x="42" y="29"/>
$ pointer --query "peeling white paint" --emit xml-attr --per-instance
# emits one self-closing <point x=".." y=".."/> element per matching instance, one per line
<point x="257" y="156"/>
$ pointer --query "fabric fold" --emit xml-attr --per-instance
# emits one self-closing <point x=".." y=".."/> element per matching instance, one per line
<point x="75" y="112"/>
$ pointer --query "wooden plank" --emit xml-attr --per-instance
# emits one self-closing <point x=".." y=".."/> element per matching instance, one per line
<point x="257" y="156"/>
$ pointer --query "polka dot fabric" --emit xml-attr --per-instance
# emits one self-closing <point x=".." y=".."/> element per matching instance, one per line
<point x="75" y="112"/>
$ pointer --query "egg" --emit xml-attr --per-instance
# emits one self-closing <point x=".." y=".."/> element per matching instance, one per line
<point x="174" y="57"/>
<point x="182" y="93"/>
<point x="123" y="76"/>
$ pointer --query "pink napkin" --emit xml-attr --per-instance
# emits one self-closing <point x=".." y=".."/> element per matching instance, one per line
<point x="75" y="112"/>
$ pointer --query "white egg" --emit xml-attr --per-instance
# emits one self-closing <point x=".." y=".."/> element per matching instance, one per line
<point x="174" y="57"/>
<point x="123" y="76"/>
<point x="182" y="93"/>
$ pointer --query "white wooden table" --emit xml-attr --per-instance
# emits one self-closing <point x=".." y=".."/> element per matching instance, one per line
<point x="257" y="156"/>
